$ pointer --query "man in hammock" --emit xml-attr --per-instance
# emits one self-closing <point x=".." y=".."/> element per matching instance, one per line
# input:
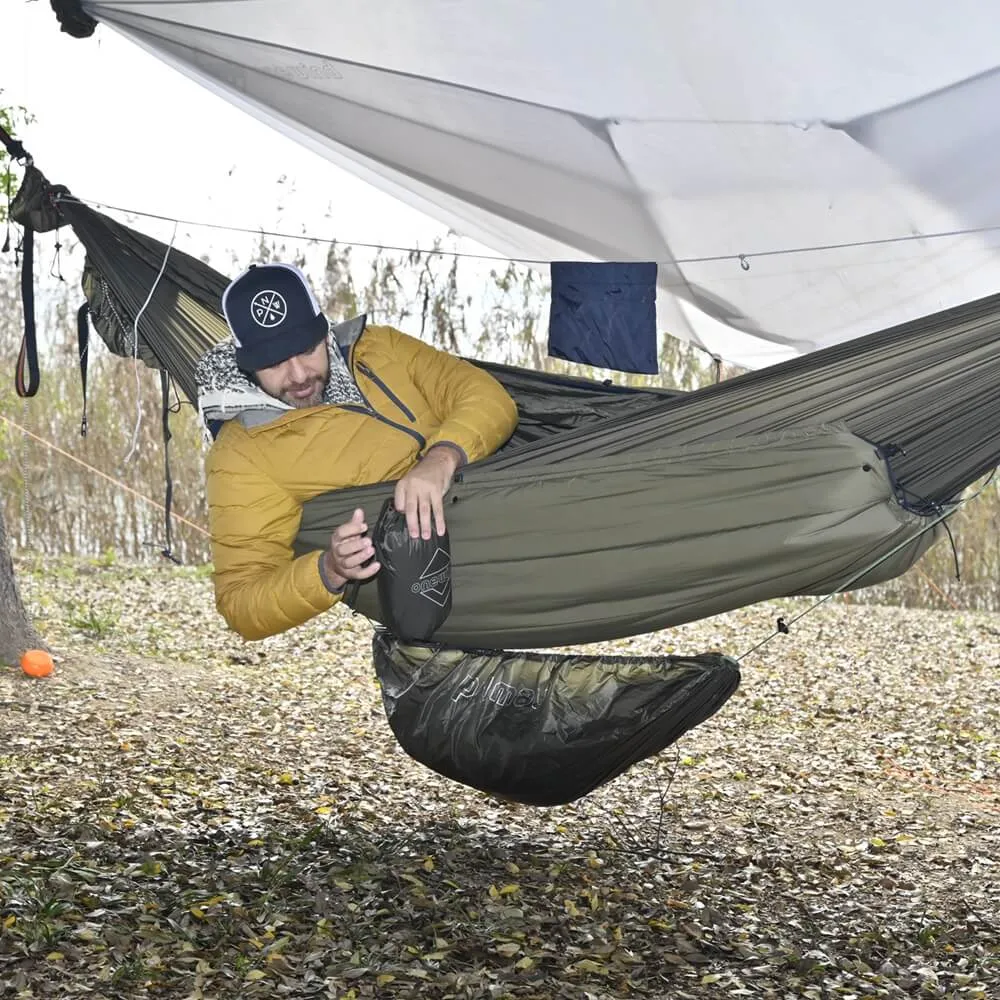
<point x="299" y="408"/>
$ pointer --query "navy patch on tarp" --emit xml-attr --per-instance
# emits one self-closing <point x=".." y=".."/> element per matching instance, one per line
<point x="604" y="314"/>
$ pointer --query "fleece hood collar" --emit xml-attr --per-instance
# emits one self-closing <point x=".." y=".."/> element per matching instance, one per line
<point x="225" y="393"/>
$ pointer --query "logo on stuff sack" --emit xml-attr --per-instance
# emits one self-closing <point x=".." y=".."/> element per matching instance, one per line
<point x="268" y="308"/>
<point x="435" y="581"/>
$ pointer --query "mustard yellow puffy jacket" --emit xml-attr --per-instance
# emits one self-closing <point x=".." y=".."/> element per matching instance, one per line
<point x="259" y="477"/>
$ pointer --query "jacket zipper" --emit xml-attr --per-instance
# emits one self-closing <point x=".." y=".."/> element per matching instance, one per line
<point x="402" y="406"/>
<point x="372" y="412"/>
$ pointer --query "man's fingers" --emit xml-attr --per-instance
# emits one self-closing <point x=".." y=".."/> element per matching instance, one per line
<point x="358" y="566"/>
<point x="421" y="499"/>
<point x="412" y="510"/>
<point x="350" y="529"/>
<point x="347" y="546"/>
<point x="351" y="548"/>
<point x="354" y="559"/>
<point x="405" y="500"/>
<point x="367" y="571"/>
<point x="360" y="572"/>
<point x="438" y="504"/>
<point x="425" y="515"/>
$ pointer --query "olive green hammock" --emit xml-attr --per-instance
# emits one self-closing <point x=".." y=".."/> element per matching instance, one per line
<point x="615" y="511"/>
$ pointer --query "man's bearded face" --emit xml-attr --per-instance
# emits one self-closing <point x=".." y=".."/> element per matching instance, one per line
<point x="299" y="381"/>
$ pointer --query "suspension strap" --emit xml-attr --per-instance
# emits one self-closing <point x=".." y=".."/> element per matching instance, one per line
<point x="83" y="346"/>
<point x="28" y="356"/>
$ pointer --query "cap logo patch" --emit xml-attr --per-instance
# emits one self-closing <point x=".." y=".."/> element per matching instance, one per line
<point x="267" y="308"/>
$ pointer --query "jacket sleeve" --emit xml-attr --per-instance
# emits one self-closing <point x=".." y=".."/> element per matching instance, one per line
<point x="260" y="588"/>
<point x="474" y="410"/>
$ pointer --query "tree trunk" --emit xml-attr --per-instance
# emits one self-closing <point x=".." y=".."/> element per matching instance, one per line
<point x="16" y="631"/>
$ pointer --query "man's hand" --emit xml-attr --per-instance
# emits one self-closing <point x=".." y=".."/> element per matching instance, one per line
<point x="420" y="493"/>
<point x="349" y="551"/>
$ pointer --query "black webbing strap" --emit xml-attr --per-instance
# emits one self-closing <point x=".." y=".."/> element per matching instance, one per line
<point x="169" y="497"/>
<point x="83" y="344"/>
<point x="28" y="355"/>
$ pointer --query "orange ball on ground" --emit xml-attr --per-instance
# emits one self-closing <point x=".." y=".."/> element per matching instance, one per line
<point x="37" y="663"/>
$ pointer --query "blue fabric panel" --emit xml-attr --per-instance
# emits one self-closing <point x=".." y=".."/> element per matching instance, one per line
<point x="604" y="314"/>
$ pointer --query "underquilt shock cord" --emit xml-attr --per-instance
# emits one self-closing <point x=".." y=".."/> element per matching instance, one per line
<point x="783" y="627"/>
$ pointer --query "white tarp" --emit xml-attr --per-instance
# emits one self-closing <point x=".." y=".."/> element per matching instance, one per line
<point x="667" y="130"/>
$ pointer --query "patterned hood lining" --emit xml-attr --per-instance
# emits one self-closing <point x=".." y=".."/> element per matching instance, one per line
<point x="225" y="393"/>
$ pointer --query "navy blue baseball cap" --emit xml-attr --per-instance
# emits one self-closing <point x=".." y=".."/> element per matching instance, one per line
<point x="273" y="315"/>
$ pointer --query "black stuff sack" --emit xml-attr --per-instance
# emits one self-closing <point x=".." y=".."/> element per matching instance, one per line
<point x="542" y="728"/>
<point x="414" y="582"/>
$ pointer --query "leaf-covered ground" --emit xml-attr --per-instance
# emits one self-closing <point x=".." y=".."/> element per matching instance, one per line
<point x="183" y="814"/>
